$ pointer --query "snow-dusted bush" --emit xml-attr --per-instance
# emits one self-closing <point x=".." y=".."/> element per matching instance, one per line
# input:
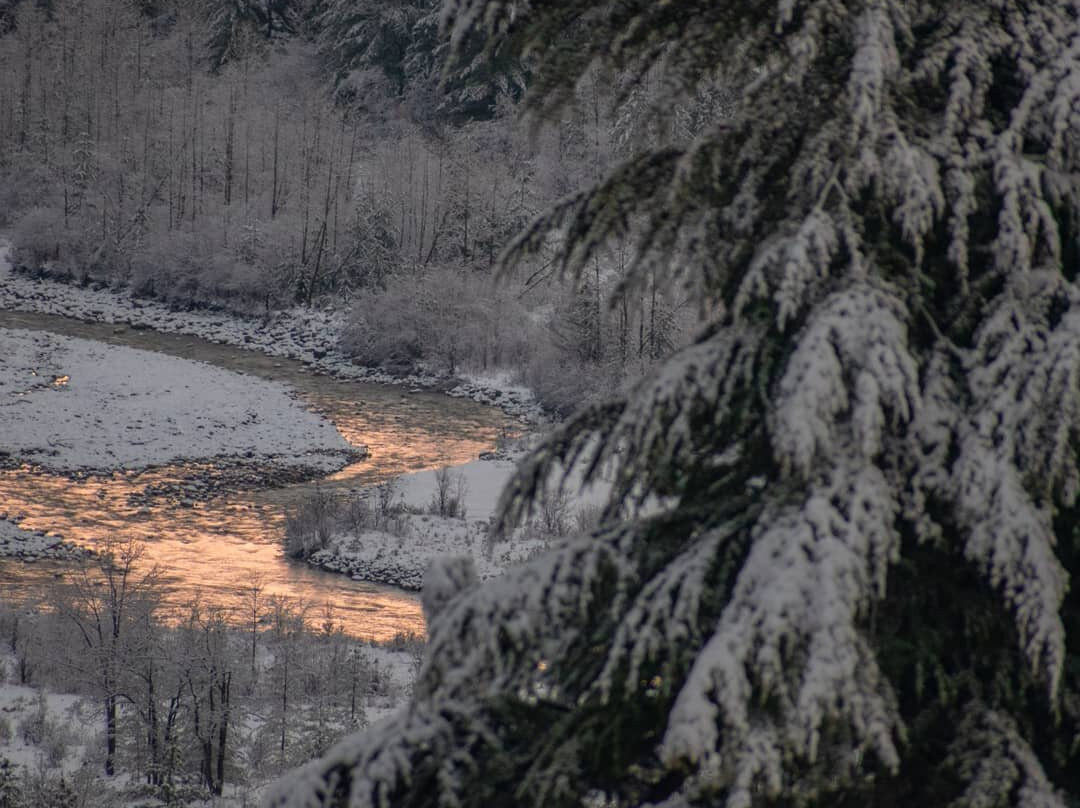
<point x="309" y="526"/>
<point x="563" y="382"/>
<point x="448" y="498"/>
<point x="446" y="320"/>
<point x="44" y="241"/>
<point x="372" y="512"/>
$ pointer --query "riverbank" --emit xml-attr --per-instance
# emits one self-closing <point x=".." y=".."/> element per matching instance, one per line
<point x="393" y="533"/>
<point x="69" y="404"/>
<point x="308" y="335"/>
<point x="26" y="545"/>
<point x="52" y="739"/>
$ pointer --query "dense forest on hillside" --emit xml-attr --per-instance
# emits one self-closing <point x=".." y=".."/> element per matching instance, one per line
<point x="255" y="156"/>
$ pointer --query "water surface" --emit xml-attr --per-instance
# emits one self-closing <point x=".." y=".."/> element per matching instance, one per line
<point x="212" y="549"/>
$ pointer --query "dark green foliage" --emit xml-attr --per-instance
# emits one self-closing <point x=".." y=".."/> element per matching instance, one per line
<point x="857" y="588"/>
<point x="380" y="49"/>
<point x="234" y="24"/>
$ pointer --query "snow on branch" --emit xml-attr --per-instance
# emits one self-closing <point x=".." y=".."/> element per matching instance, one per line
<point x="788" y="658"/>
<point x="1011" y="539"/>
<point x="875" y="61"/>
<point x="996" y="765"/>
<point x="1025" y="377"/>
<point x="699" y="388"/>
<point x="852" y="370"/>
<point x="791" y="263"/>
<point x="663" y="616"/>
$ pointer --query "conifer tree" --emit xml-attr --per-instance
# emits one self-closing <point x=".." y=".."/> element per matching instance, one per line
<point x="852" y="586"/>
<point x="231" y="21"/>
<point x="400" y="41"/>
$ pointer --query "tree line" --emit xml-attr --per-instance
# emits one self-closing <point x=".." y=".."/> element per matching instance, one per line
<point x="190" y="699"/>
<point x="254" y="156"/>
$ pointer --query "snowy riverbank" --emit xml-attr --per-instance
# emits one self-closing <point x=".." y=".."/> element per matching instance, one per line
<point x="28" y="545"/>
<point x="411" y="534"/>
<point x="304" y="334"/>
<point x="51" y="734"/>
<point x="69" y="404"/>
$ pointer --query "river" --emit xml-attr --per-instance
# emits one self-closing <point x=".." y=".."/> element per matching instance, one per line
<point x="213" y="549"/>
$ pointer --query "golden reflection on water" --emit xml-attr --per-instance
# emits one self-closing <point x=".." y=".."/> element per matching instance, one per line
<point x="211" y="549"/>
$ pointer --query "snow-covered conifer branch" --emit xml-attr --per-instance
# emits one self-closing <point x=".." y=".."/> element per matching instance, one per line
<point x="888" y="224"/>
<point x="997" y="765"/>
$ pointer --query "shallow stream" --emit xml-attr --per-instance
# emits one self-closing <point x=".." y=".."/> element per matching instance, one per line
<point x="212" y="548"/>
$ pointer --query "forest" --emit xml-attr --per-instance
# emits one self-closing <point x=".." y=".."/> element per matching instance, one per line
<point x="192" y="700"/>
<point x="792" y="284"/>
<point x="253" y="156"/>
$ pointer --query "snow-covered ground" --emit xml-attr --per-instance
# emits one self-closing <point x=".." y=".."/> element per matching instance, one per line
<point x="68" y="403"/>
<point x="305" y="334"/>
<point x="400" y="556"/>
<point x="46" y="734"/>
<point x="25" y="744"/>
<point x="29" y="546"/>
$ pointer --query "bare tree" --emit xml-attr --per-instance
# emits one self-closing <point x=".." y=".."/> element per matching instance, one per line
<point x="110" y="601"/>
<point x="207" y="674"/>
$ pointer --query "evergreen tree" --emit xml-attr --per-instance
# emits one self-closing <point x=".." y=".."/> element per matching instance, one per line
<point x="233" y="23"/>
<point x="851" y="586"/>
<point x="370" y="35"/>
<point x="400" y="42"/>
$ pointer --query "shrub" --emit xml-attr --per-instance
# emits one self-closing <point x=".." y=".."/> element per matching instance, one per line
<point x="309" y="527"/>
<point x="447" y="320"/>
<point x="41" y="238"/>
<point x="448" y="498"/>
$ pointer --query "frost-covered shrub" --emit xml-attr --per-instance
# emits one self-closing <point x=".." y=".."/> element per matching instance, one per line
<point x="41" y="240"/>
<point x="37" y="729"/>
<point x="186" y="268"/>
<point x="10" y="786"/>
<point x="409" y="642"/>
<point x="372" y="511"/>
<point x="551" y="516"/>
<point x="448" y="498"/>
<point x="32" y="725"/>
<point x="443" y="318"/>
<point x="309" y="526"/>
<point x="562" y="382"/>
<point x="387" y="499"/>
<point x="25" y="185"/>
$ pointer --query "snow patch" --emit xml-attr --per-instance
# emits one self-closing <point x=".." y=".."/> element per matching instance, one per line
<point x="68" y="403"/>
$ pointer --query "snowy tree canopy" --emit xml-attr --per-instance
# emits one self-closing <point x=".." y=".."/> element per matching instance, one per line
<point x="858" y="593"/>
<point x="400" y="40"/>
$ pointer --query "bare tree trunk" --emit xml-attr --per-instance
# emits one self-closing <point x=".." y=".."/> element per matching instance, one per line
<point x="274" y="187"/>
<point x="223" y="731"/>
<point x="110" y="734"/>
<point x="284" y="704"/>
<point x="153" y="774"/>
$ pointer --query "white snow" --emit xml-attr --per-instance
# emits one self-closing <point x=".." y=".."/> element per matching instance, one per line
<point x="19" y="703"/>
<point x="308" y="335"/>
<point x="402" y="557"/>
<point x="18" y="543"/>
<point x="483" y="482"/>
<point x="68" y="403"/>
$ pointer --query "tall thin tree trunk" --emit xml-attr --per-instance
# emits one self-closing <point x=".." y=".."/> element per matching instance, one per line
<point x="110" y="734"/>
<point x="223" y="731"/>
